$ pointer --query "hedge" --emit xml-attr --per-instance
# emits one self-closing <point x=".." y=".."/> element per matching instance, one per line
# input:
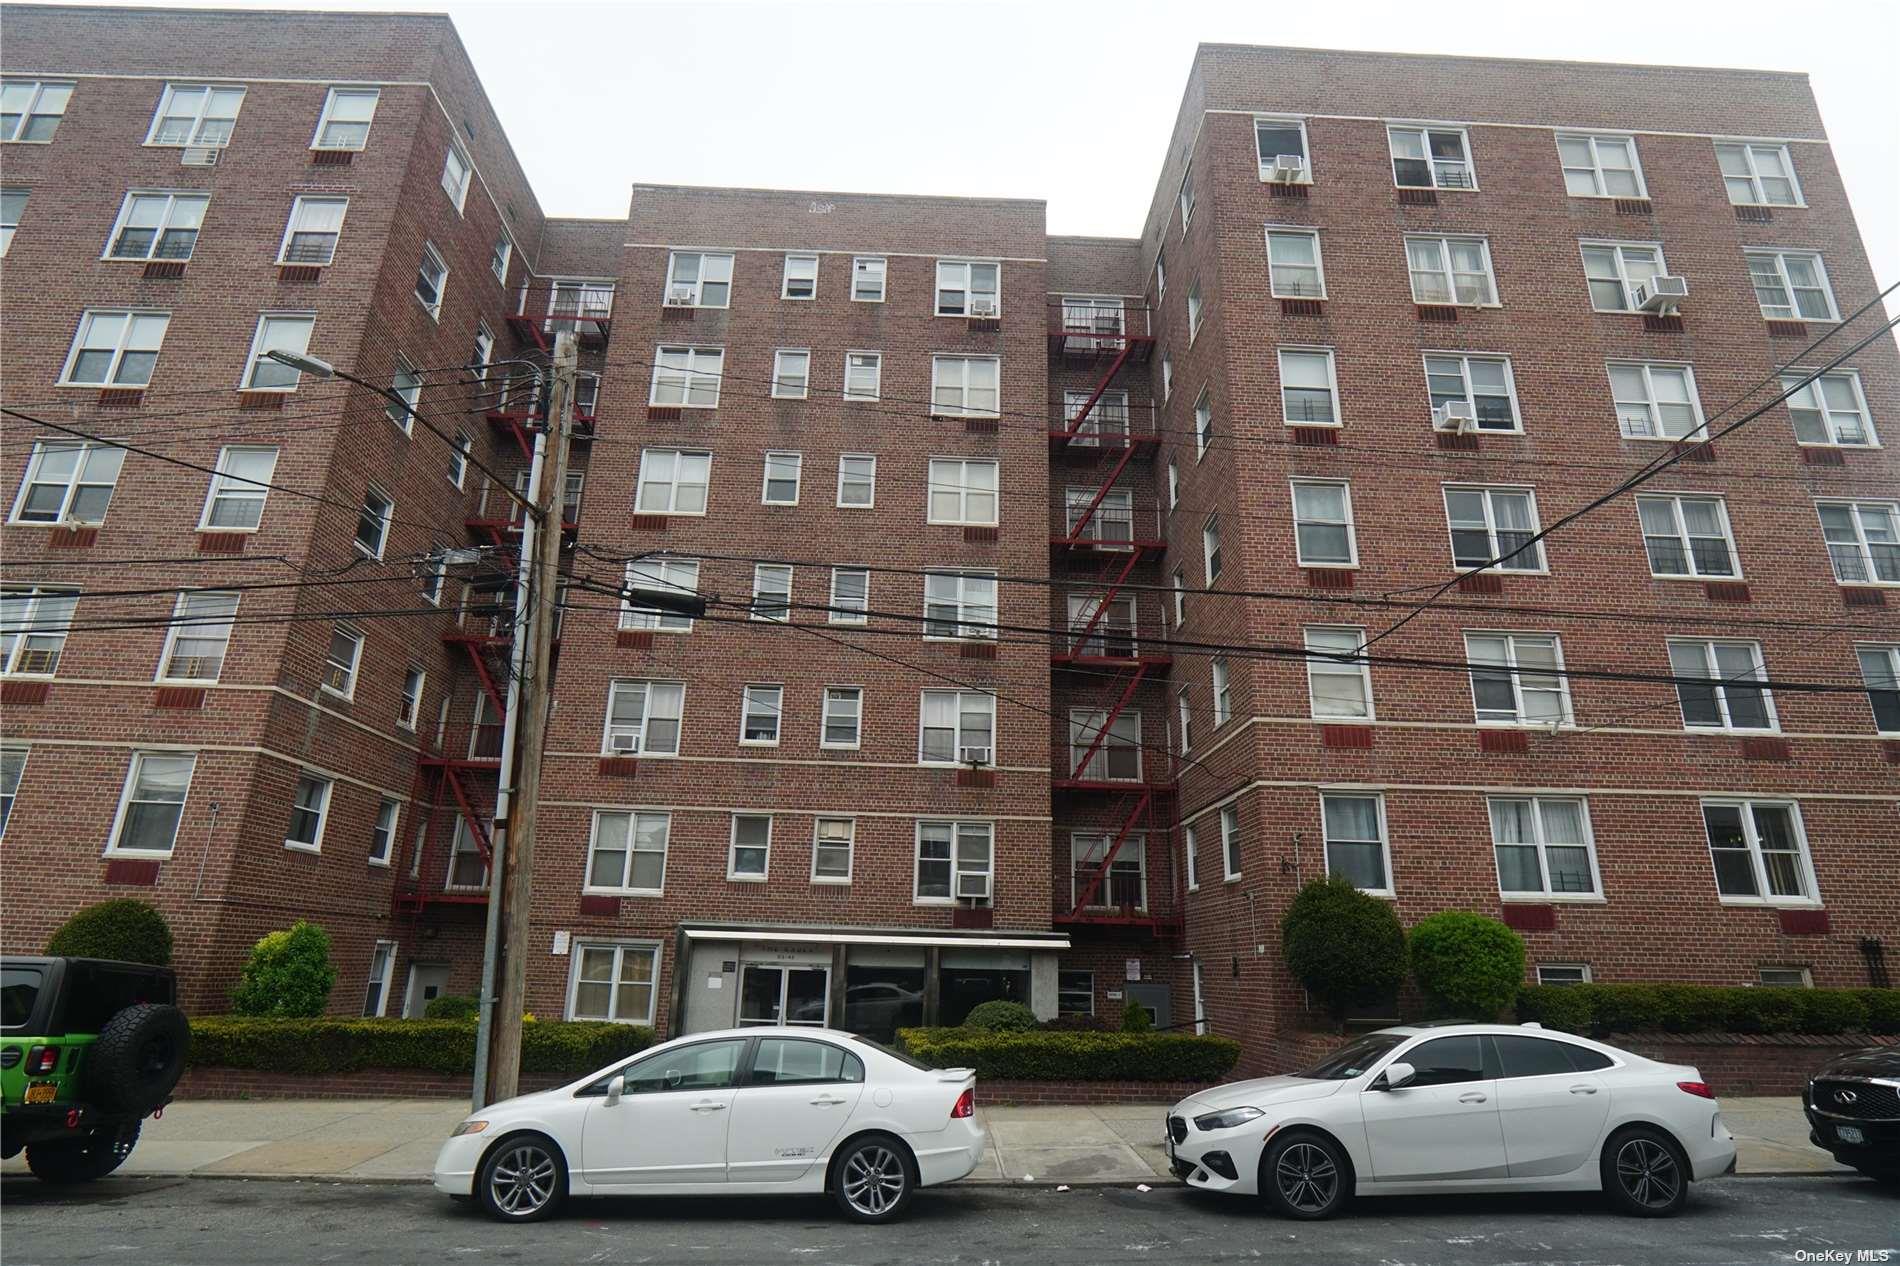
<point x="124" y="929"/>
<point x="1709" y="1008"/>
<point x="1053" y="1055"/>
<point x="336" y="1045"/>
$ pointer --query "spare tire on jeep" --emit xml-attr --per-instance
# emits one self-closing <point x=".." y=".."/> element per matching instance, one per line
<point x="137" y="1060"/>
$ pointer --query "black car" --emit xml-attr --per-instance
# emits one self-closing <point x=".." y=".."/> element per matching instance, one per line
<point x="1853" y="1103"/>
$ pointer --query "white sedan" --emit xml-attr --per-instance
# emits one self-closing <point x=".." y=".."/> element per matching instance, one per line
<point x="1428" y="1109"/>
<point x="751" y="1111"/>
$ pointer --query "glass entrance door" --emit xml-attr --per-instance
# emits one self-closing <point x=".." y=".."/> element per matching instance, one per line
<point x="784" y="995"/>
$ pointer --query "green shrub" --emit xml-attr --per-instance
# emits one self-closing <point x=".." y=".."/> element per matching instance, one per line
<point x="125" y="929"/>
<point x="559" y="1048"/>
<point x="1883" y="1009"/>
<point x="453" y="1006"/>
<point x="1076" y="1024"/>
<point x="288" y="974"/>
<point x="1606" y="1009"/>
<point x="1466" y="965"/>
<point x="1136" y="1019"/>
<point x="1000" y="1016"/>
<point x="1047" y="1055"/>
<point x="1564" y="1007"/>
<point x="1347" y="948"/>
<point x="1829" y="1011"/>
<point x="1763" y="1011"/>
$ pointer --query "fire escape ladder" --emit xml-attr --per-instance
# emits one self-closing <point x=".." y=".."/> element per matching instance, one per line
<point x="520" y="434"/>
<point x="1108" y="485"/>
<point x="1144" y="800"/>
<point x="486" y="678"/>
<point x="1082" y="415"/>
<point x="1108" y="722"/>
<point x="1079" y="637"/>
<point x="474" y="820"/>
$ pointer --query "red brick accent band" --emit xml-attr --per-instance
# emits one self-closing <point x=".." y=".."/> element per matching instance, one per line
<point x="24" y="694"/>
<point x="1530" y="918"/>
<point x="179" y="697"/>
<point x="1346" y="736"/>
<point x="72" y="538"/>
<point x="1503" y="741"/>
<point x="132" y="872"/>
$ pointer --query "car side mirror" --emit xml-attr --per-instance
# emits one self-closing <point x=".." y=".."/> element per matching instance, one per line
<point x="1396" y="1075"/>
<point x="616" y="1088"/>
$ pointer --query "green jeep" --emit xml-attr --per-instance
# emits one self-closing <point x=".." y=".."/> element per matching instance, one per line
<point x="88" y="1049"/>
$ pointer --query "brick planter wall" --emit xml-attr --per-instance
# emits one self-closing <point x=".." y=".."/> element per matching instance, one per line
<point x="996" y="1094"/>
<point x="1750" y="1063"/>
<point x="373" y="1083"/>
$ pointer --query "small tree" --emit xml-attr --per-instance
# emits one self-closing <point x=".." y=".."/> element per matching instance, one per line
<point x="999" y="1015"/>
<point x="1135" y="1019"/>
<point x="124" y="929"/>
<point x="1347" y="948"/>
<point x="288" y="974"/>
<point x="1467" y="965"/>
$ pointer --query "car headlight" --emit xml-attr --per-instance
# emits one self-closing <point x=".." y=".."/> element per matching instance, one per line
<point x="469" y="1127"/>
<point x="1228" y="1119"/>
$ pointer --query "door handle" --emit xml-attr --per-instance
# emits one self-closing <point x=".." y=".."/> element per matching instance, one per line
<point x="828" y="1101"/>
<point x="1471" y="1096"/>
<point x="709" y="1107"/>
<point x="1583" y="1090"/>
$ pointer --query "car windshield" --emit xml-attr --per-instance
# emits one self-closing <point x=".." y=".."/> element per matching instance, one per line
<point x="19" y="989"/>
<point x="1353" y="1059"/>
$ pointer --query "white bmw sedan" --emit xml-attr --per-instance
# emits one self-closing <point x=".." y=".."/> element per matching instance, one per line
<point x="750" y="1111"/>
<point x="1429" y="1109"/>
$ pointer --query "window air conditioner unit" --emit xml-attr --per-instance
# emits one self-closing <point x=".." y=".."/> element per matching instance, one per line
<point x="973" y="755"/>
<point x="198" y="156"/>
<point x="980" y="308"/>
<point x="1454" y="415"/>
<point x="1287" y="169"/>
<point x="1661" y="293"/>
<point x="624" y="744"/>
<point x="974" y="886"/>
<point x="679" y="297"/>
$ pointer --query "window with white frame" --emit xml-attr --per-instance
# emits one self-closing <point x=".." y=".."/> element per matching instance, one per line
<point x="1759" y="851"/>
<point x="867" y="278"/>
<point x="969" y="288"/>
<point x="1309" y="387"/>
<point x="957" y="727"/>
<point x="751" y="851"/>
<point x="457" y="172"/>
<point x="1167" y="379"/>
<point x="382" y="971"/>
<point x="614" y="982"/>
<point x="30" y="109"/>
<point x="626" y="852"/>
<point x="1322" y="524"/>
<point x="831" y="845"/>
<point x="1563" y="973"/>
<point x="1230" y="842"/>
<point x="1184" y="718"/>
<point x="1687" y="536"/>
<point x="1210" y="550"/>
<point x="1112" y="748"/>
<point x="432" y="278"/>
<point x="857" y="481"/>
<point x="1655" y="401"/>
<point x="672" y="481"/>
<point x="33" y="625"/>
<point x="1274" y="139"/>
<point x="1294" y="270"/>
<point x="235" y="502"/>
<point x="843" y="717"/>
<point x="1831" y="409"/>
<point x="1791" y="286"/>
<point x="1106" y="517"/>
<point x="1431" y="158"/>
<point x="687" y="377"/>
<point x="1493" y="523"/>
<point x="309" y="809"/>
<point x="196" y="114"/>
<point x="1203" y="424"/>
<point x="467" y="870"/>
<point x="1184" y="197"/>
<point x="1338" y="681"/>
<point x="643" y="718"/>
<point x="432" y="573"/>
<point x="850" y="596"/>
<point x="1174" y="485"/>
<point x="1108" y="418"/>
<point x="1784" y="978"/>
<point x="1223" y="691"/>
<point x="963" y="491"/>
<point x="199" y="634"/>
<point x="341" y="660"/>
<point x="484" y="349"/>
<point x="1190" y="861"/>
<point x="1483" y="383"/>
<point x="1598" y="166"/>
<point x="678" y="576"/>
<point x="1517" y="679"/>
<point x="965" y="386"/>
<point x="1178" y="587"/>
<point x="68" y="483"/>
<point x="586" y="394"/>
<point x="1543" y="847"/>
<point x="801" y="277"/>
<point x="1615" y="269"/>
<point x="791" y="374"/>
<point x="959" y="605"/>
<point x="1075" y="992"/>
<point x="310" y="235"/>
<point x="409" y="704"/>
<point x="1194" y="310"/>
<point x="1757" y="173"/>
<point x="955" y="862"/>
<point x="115" y="349"/>
<point x="772" y="592"/>
<point x="153" y="803"/>
<point x="157" y="226"/>
<point x="458" y="457"/>
<point x="498" y="258"/>
<point x="783" y="473"/>
<point x="1880" y="669"/>
<point x="277" y="332"/>
<point x="697" y="279"/>
<point x="1863" y="540"/>
<point x="1161" y="273"/>
<point x="12" y="208"/>
<point x="1451" y="270"/>
<point x="1124" y="887"/>
<point x="1354" y="827"/>
<point x="1104" y="628"/>
<point x="863" y="375"/>
<point x="372" y="522"/>
<point x="1717" y="685"/>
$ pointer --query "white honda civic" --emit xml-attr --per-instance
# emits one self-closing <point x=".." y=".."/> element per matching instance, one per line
<point x="750" y="1111"/>
<point x="1435" y="1108"/>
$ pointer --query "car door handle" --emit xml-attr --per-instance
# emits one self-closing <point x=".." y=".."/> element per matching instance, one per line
<point x="709" y="1107"/>
<point x="1583" y="1090"/>
<point x="828" y="1101"/>
<point x="1471" y="1096"/>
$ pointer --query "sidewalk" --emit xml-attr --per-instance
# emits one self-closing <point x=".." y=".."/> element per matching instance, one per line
<point x="395" y="1140"/>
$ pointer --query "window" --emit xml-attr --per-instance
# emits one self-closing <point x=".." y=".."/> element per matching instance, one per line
<point x="843" y="716"/>
<point x="760" y="713"/>
<point x="498" y="259"/>
<point x="791" y="374"/>
<point x="12" y="207"/>
<point x="626" y="852"/>
<point x="309" y="807"/>
<point x="831" y="843"/>
<point x="1727" y="701"/>
<point x="954" y="862"/>
<point x="782" y="471"/>
<point x="1338" y="688"/>
<point x="687" y="377"/>
<point x="339" y="663"/>
<point x="1880" y="669"/>
<point x="277" y="333"/>
<point x="850" y="595"/>
<point x="617" y="982"/>
<point x="199" y="634"/>
<point x="484" y="347"/>
<point x="68" y="483"/>
<point x="432" y="276"/>
<point x="406" y="384"/>
<point x="458" y="457"/>
<point x="643" y="718"/>
<point x="1759" y="850"/>
<point x="157" y="226"/>
<point x="1309" y="391"/>
<point x="867" y="279"/>
<point x="963" y="491"/>
<point x="857" y="480"/>
<point x="1184" y="199"/>
<point x="1124" y="887"/>
<point x="1161" y="274"/>
<point x="1863" y="540"/>
<point x="1687" y="536"/>
<point x="1614" y="271"/>
<point x="1230" y="842"/>
<point x="672" y="481"/>
<point x="959" y="604"/>
<point x="30" y="110"/>
<point x="1758" y="174"/>
<point x="195" y="114"/>
<point x="153" y="803"/>
<point x="1102" y="628"/>
<point x="1276" y="138"/>
<point x="1543" y="847"/>
<point x="1784" y="978"/>
<point x="751" y="849"/>
<point x="1494" y="523"/>
<point x="1600" y="166"/>
<point x="1210" y="549"/>
<point x="1482" y="382"/>
<point x="1167" y="379"/>
<point x="311" y="235"/>
<point x="664" y="575"/>
<point x="456" y="174"/>
<point x="1109" y="417"/>
<point x="33" y="623"/>
<point x="1322" y="524"/>
<point x="115" y="349"/>
<point x="772" y="592"/>
<point x="1223" y="696"/>
<point x="1832" y="409"/>
<point x="969" y="288"/>
<point x="1431" y="158"/>
<point x="862" y="374"/>
<point x="801" y="277"/>
<point x="1111" y="521"/>
<point x="1178" y="587"/>
<point x="1517" y="679"/>
<point x="1355" y="840"/>
<point x="1293" y="265"/>
<point x="1101" y="750"/>
<point x="1189" y="849"/>
<point x="236" y="500"/>
<point x="409" y="706"/>
<point x="1563" y="973"/>
<point x="1791" y="286"/>
<point x="1075" y="993"/>
<point x="964" y="386"/>
<point x="957" y="727"/>
<point x="1655" y="401"/>
<point x="1194" y="310"/>
<point x="1174" y="485"/>
<point x="382" y="969"/>
<point x="1447" y="1061"/>
<point x="1453" y="270"/>
<point x="1203" y="424"/>
<point x="372" y="523"/>
<point x="1184" y="718"/>
<point x="586" y="394"/>
<point x="695" y="280"/>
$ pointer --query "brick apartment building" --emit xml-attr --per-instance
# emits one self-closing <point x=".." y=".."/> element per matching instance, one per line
<point x="1015" y="545"/>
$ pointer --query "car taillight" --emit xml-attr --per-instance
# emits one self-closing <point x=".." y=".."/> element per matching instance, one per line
<point x="42" y="1060"/>
<point x="966" y="1104"/>
<point x="1700" y="1088"/>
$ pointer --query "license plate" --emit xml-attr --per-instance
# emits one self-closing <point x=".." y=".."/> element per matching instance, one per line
<point x="1849" y="1134"/>
<point x="42" y="1092"/>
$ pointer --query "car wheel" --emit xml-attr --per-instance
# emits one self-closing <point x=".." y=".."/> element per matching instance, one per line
<point x="523" y="1180"/>
<point x="88" y="1158"/>
<point x="1644" y="1174"/>
<point x="871" y="1180"/>
<point x="1305" y="1176"/>
<point x="137" y="1060"/>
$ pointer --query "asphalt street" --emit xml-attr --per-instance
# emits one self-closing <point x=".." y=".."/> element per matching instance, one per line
<point x="213" y="1222"/>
